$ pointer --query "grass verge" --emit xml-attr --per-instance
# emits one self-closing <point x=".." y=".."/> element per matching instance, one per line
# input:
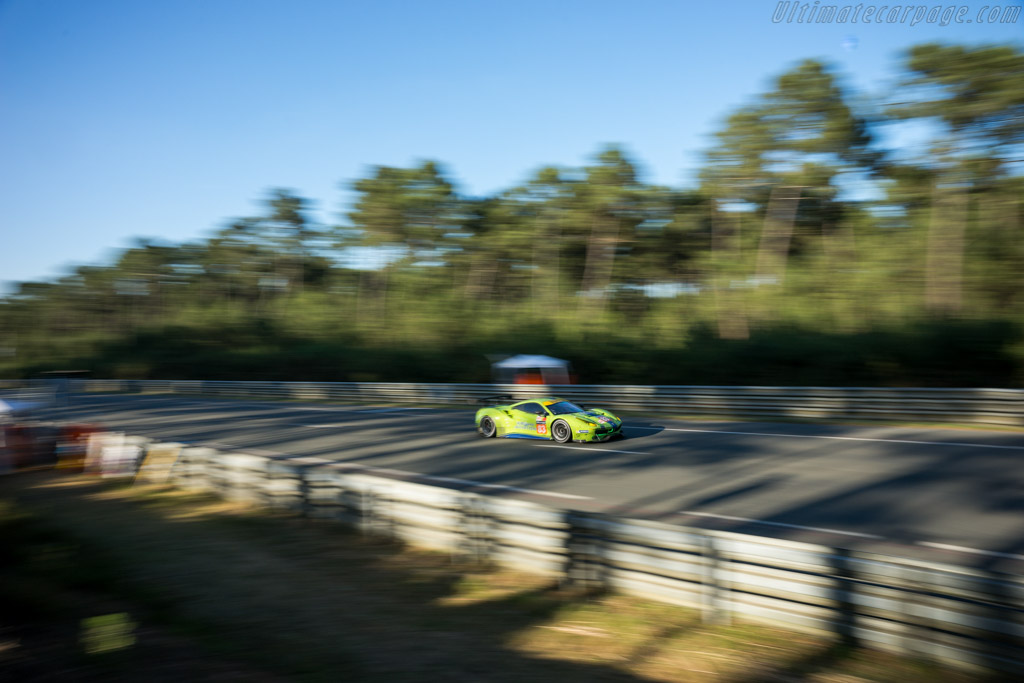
<point x="101" y="581"/>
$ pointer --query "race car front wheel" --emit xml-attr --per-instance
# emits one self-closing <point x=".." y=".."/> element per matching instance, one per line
<point x="487" y="429"/>
<point x="561" y="432"/>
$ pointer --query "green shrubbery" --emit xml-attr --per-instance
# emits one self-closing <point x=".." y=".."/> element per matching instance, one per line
<point x="767" y="272"/>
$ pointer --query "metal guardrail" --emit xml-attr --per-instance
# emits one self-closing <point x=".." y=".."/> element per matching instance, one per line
<point x="955" y="616"/>
<point x="964" y="406"/>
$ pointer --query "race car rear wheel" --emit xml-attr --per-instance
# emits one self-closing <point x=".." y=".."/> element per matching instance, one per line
<point x="561" y="432"/>
<point x="487" y="428"/>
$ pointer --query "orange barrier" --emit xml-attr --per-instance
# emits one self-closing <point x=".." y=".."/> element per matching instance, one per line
<point x="72" y="445"/>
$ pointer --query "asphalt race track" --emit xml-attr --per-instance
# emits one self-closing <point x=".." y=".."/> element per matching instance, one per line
<point x="946" y="495"/>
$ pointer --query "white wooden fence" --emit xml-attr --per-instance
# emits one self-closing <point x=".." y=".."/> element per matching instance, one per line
<point x="952" y="615"/>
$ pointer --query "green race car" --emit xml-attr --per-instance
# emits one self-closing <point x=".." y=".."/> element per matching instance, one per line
<point x="547" y="418"/>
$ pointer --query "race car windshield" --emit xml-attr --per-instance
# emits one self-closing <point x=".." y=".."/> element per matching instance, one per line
<point x="564" y="408"/>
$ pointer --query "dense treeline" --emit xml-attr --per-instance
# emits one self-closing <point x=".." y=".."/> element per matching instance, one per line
<point x="812" y="250"/>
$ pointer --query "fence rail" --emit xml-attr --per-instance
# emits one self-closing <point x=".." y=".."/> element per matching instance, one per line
<point x="955" y="616"/>
<point x="972" y="618"/>
<point x="965" y="406"/>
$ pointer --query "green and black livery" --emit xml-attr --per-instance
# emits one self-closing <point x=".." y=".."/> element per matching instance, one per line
<point x="548" y="418"/>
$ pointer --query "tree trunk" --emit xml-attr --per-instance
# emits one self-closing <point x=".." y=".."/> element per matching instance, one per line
<point x="944" y="268"/>
<point x="371" y="297"/>
<point x="597" y="271"/>
<point x="480" y="279"/>
<point x="1011" y="219"/>
<point x="554" y="287"/>
<point x="725" y="250"/>
<point x="773" y="250"/>
<point x="840" y="254"/>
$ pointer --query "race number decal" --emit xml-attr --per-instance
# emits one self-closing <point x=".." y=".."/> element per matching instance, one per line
<point x="542" y="425"/>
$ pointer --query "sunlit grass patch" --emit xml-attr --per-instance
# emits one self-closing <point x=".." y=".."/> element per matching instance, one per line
<point x="312" y="601"/>
<point x="482" y="587"/>
<point x="107" y="633"/>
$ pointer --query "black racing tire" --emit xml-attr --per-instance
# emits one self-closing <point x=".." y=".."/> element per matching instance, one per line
<point x="487" y="427"/>
<point x="561" y="431"/>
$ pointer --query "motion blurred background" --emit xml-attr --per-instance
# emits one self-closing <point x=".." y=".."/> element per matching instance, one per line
<point x="659" y="192"/>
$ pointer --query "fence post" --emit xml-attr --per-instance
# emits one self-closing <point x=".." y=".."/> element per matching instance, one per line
<point x="845" y="587"/>
<point x="585" y="565"/>
<point x="477" y="528"/>
<point x="373" y="517"/>
<point x="715" y="592"/>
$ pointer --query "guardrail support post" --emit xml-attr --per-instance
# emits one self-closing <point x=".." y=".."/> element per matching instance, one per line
<point x="477" y="529"/>
<point x="715" y="594"/>
<point x="845" y="586"/>
<point x="585" y="557"/>
<point x="373" y="518"/>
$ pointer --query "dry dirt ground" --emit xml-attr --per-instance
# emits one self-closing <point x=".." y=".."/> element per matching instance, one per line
<point x="109" y="582"/>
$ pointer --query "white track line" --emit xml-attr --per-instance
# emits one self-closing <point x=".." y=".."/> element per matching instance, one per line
<point x="592" y="450"/>
<point x="835" y="438"/>
<point x="781" y="524"/>
<point x="404" y="473"/>
<point x="241" y="449"/>
<point x="974" y="551"/>
<point x="502" y="487"/>
<point x="465" y="482"/>
<point x="333" y="425"/>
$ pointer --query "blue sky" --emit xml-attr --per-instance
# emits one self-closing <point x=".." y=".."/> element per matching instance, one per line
<point x="121" y="119"/>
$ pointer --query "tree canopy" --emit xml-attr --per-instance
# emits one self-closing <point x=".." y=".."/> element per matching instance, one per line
<point x="807" y="252"/>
